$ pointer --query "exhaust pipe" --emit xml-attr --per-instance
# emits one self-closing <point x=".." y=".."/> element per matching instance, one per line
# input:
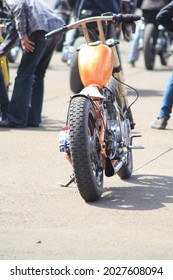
<point x="111" y="170"/>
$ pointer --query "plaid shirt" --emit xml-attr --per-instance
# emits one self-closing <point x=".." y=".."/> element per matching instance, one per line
<point x="32" y="15"/>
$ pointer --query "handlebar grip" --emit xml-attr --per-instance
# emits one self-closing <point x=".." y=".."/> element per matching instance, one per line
<point x="56" y="32"/>
<point x="125" y="18"/>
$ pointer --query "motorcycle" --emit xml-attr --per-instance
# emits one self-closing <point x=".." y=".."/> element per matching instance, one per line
<point x="97" y="138"/>
<point x="154" y="40"/>
<point x="13" y="53"/>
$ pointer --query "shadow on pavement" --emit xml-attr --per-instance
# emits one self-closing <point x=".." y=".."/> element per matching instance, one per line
<point x="145" y="93"/>
<point x="148" y="192"/>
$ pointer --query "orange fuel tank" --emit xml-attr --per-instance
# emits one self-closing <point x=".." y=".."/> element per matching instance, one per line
<point x="95" y="64"/>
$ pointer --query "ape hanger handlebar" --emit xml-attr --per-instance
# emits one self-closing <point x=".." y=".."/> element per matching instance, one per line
<point x="118" y="19"/>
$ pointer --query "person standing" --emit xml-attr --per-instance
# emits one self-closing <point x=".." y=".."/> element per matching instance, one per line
<point x="164" y="17"/>
<point x="33" y="19"/>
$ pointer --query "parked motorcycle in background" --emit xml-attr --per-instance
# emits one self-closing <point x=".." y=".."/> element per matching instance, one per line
<point x="156" y="41"/>
<point x="13" y="53"/>
<point x="97" y="138"/>
<point x="152" y="40"/>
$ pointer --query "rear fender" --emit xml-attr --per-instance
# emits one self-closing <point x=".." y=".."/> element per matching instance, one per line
<point x="92" y="92"/>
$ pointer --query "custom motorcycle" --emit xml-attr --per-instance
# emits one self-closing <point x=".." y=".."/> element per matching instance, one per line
<point x="97" y="138"/>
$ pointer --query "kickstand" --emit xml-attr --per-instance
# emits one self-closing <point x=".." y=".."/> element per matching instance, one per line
<point x="69" y="182"/>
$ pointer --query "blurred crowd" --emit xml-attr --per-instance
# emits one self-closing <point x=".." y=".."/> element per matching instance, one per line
<point x="24" y="108"/>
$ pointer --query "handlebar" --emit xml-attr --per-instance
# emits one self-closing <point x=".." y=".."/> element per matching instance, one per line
<point x="115" y="18"/>
<point x="125" y="18"/>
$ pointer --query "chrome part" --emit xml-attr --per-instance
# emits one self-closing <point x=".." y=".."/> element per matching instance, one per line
<point x="64" y="141"/>
<point x="120" y="163"/>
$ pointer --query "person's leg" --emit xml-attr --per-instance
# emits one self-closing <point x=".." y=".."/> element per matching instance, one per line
<point x="68" y="43"/>
<point x="21" y="97"/>
<point x="133" y="55"/>
<point x="34" y="117"/>
<point x="166" y="106"/>
<point x="167" y="100"/>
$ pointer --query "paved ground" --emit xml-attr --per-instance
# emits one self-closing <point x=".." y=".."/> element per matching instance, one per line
<point x="133" y="219"/>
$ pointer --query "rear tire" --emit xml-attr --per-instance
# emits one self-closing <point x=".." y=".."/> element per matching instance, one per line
<point x="149" y="42"/>
<point x="84" y="148"/>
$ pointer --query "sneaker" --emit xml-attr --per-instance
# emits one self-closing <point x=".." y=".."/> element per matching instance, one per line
<point x="131" y="64"/>
<point x="159" y="123"/>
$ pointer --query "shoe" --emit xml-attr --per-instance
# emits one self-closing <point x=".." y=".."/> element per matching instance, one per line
<point x="33" y="125"/>
<point x="131" y="64"/>
<point x="7" y="124"/>
<point x="159" y="123"/>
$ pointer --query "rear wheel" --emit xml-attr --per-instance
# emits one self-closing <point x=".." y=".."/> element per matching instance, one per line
<point x="149" y="42"/>
<point x="84" y="148"/>
<point x="76" y="84"/>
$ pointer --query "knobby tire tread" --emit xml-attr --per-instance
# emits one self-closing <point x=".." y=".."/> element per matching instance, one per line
<point x="78" y="124"/>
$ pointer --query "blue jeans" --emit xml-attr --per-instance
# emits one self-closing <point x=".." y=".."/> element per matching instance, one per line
<point x="27" y="97"/>
<point x="167" y="100"/>
<point x="133" y="55"/>
<point x="4" y="101"/>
